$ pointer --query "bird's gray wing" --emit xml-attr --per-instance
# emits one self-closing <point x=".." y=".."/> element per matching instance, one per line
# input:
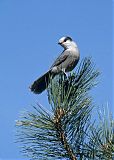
<point x="64" y="55"/>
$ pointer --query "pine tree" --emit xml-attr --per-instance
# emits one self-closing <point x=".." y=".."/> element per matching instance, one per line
<point x="68" y="132"/>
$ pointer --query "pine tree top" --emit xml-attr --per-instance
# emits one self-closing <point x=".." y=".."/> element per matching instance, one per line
<point x="68" y="132"/>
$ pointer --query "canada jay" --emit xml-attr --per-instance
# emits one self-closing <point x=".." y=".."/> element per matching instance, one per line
<point x="66" y="62"/>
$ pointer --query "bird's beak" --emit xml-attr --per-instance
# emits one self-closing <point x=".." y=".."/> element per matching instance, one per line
<point x="60" y="43"/>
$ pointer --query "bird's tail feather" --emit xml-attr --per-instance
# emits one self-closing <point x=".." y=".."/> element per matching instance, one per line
<point x="41" y="83"/>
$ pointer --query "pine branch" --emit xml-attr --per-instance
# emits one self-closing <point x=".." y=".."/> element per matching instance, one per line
<point x="67" y="132"/>
<point x="101" y="138"/>
<point x="59" y="114"/>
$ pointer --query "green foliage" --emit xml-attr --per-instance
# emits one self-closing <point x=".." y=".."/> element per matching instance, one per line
<point x="67" y="132"/>
<point x="101" y="138"/>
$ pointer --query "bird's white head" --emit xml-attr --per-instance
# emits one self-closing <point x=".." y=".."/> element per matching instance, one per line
<point x="67" y="42"/>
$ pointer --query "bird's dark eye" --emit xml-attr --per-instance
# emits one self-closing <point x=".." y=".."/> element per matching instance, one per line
<point x="67" y="38"/>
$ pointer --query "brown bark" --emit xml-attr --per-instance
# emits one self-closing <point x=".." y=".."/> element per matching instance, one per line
<point x="61" y="134"/>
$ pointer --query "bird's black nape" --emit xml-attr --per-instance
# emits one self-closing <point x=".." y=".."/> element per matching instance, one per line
<point x="67" y="38"/>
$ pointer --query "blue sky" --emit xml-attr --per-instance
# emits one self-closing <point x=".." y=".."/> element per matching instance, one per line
<point x="29" y="32"/>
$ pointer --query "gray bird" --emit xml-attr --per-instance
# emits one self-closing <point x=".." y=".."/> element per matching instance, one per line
<point x="66" y="62"/>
